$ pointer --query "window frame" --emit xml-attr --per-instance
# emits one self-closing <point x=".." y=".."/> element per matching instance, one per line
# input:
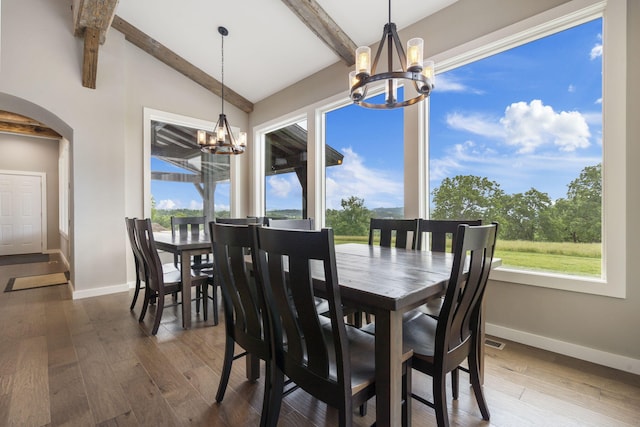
<point x="613" y="279"/>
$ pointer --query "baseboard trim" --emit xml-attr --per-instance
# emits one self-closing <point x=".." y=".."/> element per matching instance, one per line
<point x="96" y="292"/>
<point x="588" y="354"/>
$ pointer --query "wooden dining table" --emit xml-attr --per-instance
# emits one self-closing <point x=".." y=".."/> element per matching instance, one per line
<point x="387" y="282"/>
<point x="185" y="247"/>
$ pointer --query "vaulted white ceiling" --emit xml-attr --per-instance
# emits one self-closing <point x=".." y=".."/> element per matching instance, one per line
<point x="266" y="39"/>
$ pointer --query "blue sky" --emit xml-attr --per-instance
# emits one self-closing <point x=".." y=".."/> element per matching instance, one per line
<point x="528" y="117"/>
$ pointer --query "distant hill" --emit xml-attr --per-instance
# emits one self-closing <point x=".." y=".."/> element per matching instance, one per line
<point x="377" y="213"/>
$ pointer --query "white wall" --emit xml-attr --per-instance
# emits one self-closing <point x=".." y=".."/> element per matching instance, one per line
<point x="41" y="77"/>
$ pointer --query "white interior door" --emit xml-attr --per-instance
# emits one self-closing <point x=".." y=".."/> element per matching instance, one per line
<point x="20" y="214"/>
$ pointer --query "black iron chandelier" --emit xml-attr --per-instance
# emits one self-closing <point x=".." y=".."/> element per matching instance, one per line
<point x="222" y="140"/>
<point x="414" y="70"/>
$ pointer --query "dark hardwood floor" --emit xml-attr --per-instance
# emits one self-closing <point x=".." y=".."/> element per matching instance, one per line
<point x="89" y="362"/>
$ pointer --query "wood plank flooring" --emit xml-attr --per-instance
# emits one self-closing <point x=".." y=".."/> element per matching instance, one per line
<point x="90" y="363"/>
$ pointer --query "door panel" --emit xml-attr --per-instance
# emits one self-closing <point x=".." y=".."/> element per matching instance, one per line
<point x="20" y="214"/>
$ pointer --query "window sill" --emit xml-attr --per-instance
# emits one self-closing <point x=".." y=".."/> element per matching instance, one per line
<point x="586" y="285"/>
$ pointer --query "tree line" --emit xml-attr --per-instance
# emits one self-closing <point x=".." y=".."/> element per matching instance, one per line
<point x="531" y="215"/>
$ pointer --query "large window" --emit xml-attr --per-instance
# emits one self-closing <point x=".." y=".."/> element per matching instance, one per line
<point x="364" y="162"/>
<point x="182" y="180"/>
<point x="517" y="138"/>
<point x="286" y="171"/>
<point x="522" y="132"/>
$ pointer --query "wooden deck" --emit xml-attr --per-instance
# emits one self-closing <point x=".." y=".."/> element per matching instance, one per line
<point x="89" y="362"/>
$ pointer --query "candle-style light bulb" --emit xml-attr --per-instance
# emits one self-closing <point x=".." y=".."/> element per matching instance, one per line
<point x="414" y="54"/>
<point x="363" y="60"/>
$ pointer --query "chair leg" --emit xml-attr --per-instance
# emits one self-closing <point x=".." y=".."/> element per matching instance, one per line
<point x="275" y="395"/>
<point x="145" y="304"/>
<point x="205" y="300"/>
<point x="455" y="382"/>
<point x="214" y="299"/>
<point x="159" y="310"/>
<point x="135" y="294"/>
<point x="440" y="399"/>
<point x="226" y="368"/>
<point x="406" y="393"/>
<point x="474" y="374"/>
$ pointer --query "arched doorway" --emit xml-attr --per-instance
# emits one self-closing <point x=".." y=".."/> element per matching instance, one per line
<point x="50" y="125"/>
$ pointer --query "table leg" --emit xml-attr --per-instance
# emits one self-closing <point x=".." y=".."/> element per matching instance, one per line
<point x="389" y="368"/>
<point x="185" y="269"/>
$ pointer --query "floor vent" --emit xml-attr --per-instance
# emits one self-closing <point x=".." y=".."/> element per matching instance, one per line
<point x="495" y="344"/>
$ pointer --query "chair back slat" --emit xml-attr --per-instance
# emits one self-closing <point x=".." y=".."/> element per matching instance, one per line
<point x="135" y="248"/>
<point x="152" y="262"/>
<point x="288" y="262"/>
<point x="459" y="316"/>
<point x="439" y="230"/>
<point x="405" y="232"/>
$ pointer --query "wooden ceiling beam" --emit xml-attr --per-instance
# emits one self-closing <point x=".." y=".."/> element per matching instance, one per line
<point x="91" y="20"/>
<point x="16" y="123"/>
<point x="323" y="26"/>
<point x="175" y="61"/>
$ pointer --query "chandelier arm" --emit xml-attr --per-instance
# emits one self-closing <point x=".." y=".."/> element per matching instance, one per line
<point x="379" y="51"/>
<point x="401" y="55"/>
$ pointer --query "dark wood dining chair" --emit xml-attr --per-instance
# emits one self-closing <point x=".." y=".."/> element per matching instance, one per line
<point x="434" y="234"/>
<point x="292" y="224"/>
<point x="193" y="226"/>
<point x="400" y="233"/>
<point x="439" y="235"/>
<point x="159" y="282"/>
<point x="441" y="345"/>
<point x="137" y="258"/>
<point x="184" y="227"/>
<point x="245" y="309"/>
<point x="330" y="360"/>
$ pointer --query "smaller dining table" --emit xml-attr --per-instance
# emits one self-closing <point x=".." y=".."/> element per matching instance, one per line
<point x="185" y="247"/>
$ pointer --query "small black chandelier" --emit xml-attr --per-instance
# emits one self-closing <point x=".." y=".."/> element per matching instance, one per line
<point x="421" y="74"/>
<point x="222" y="140"/>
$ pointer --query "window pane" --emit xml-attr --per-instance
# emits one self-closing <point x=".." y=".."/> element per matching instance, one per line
<point x="184" y="180"/>
<point x="517" y="138"/>
<point x="286" y="172"/>
<point x="368" y="181"/>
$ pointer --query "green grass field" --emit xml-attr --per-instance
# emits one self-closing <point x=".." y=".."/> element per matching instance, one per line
<point x="583" y="259"/>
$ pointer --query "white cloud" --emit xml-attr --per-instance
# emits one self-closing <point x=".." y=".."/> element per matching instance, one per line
<point x="280" y="186"/>
<point x="353" y="178"/>
<point x="476" y="123"/>
<point x="166" y="204"/>
<point x="195" y="204"/>
<point x="446" y="83"/>
<point x="596" y="51"/>
<point x="529" y="126"/>
<point x="571" y="89"/>
<point x="514" y="172"/>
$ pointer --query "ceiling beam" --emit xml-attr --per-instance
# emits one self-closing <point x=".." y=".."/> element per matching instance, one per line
<point x="175" y="61"/>
<point x="318" y="21"/>
<point x="91" y="20"/>
<point x="15" y="123"/>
